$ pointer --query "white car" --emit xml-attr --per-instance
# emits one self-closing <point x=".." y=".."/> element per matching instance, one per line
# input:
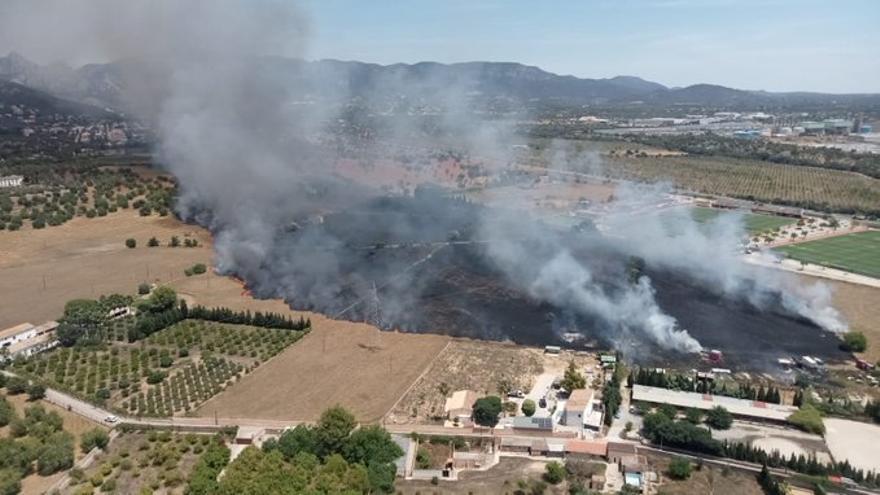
<point x="111" y="419"/>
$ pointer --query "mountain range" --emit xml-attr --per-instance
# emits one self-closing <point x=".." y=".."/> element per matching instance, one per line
<point x="103" y="85"/>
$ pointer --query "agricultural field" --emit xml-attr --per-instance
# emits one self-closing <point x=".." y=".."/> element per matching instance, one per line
<point x="170" y="372"/>
<point x="754" y="223"/>
<point x="750" y="179"/>
<point x="53" y="195"/>
<point x="143" y="462"/>
<point x="857" y="253"/>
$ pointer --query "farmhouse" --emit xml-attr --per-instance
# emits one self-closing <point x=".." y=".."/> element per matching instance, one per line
<point x="460" y="405"/>
<point x="738" y="407"/>
<point x="581" y="410"/>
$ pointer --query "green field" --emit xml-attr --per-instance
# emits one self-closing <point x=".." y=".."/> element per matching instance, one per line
<point x="857" y="253"/>
<point x="754" y="223"/>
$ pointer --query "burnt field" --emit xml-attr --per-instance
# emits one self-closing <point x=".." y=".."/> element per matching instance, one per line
<point x="425" y="264"/>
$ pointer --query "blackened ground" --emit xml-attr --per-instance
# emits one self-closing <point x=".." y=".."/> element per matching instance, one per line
<point x="422" y="272"/>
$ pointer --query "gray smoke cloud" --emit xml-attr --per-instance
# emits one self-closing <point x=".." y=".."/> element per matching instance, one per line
<point x="246" y="136"/>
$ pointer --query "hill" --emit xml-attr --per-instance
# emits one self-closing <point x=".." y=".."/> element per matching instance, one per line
<point x="483" y="82"/>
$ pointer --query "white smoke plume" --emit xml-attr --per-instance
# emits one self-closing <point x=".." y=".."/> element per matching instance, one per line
<point x="234" y="128"/>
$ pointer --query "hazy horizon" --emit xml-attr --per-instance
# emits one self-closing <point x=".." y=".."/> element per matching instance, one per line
<point x="772" y="45"/>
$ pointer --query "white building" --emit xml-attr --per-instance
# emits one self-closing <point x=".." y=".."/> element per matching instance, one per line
<point x="16" y="334"/>
<point x="27" y="339"/>
<point x="11" y="180"/>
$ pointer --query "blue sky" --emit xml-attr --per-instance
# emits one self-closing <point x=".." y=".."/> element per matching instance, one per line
<point x="777" y="45"/>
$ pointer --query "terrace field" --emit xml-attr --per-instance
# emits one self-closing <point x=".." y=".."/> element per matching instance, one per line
<point x="857" y="253"/>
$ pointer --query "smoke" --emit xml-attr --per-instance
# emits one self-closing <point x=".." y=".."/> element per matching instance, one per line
<point x="256" y="145"/>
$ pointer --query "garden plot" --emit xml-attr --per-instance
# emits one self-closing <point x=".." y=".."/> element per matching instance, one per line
<point x="170" y="372"/>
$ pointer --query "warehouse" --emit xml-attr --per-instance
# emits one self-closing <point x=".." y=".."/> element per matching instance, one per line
<point x="738" y="407"/>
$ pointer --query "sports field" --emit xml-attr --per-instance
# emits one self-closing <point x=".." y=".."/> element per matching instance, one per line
<point x="754" y="223"/>
<point x="857" y="253"/>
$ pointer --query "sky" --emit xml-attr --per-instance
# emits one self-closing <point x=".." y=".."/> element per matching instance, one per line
<point x="774" y="45"/>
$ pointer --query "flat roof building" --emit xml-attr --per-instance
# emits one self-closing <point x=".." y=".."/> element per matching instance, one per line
<point x="737" y="407"/>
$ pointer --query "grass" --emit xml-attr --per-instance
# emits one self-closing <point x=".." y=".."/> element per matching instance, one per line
<point x="857" y="253"/>
<point x="754" y="223"/>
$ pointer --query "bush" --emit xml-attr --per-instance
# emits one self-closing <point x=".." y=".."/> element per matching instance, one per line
<point x="679" y="468"/>
<point x="855" y="342"/>
<point x="809" y="419"/>
<point x="153" y="242"/>
<point x="16" y="385"/>
<point x="528" y="407"/>
<point x="199" y="268"/>
<point x="143" y="289"/>
<point x="94" y="438"/>
<point x="719" y="418"/>
<point x="36" y="391"/>
<point x="155" y="377"/>
<point x="554" y="473"/>
<point x="130" y="243"/>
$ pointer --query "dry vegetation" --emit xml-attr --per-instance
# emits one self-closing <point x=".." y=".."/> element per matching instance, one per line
<point x="707" y="480"/>
<point x="501" y="479"/>
<point x="353" y="365"/>
<point x="87" y="258"/>
<point x="156" y="461"/>
<point x="484" y="367"/>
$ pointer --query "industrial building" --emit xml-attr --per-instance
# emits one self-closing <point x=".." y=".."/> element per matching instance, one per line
<point x="741" y="408"/>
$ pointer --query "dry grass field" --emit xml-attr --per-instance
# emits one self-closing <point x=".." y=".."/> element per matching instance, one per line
<point x="466" y="364"/>
<point x="860" y="305"/>
<point x="87" y="258"/>
<point x="353" y="365"/>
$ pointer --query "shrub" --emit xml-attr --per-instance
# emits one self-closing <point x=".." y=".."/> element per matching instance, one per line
<point x="855" y="342"/>
<point x="16" y="385"/>
<point x="719" y="418"/>
<point x="199" y="268"/>
<point x="528" y="407"/>
<point x="143" y="289"/>
<point x="94" y="438"/>
<point x="130" y="243"/>
<point x="809" y="419"/>
<point x="679" y="468"/>
<point x="153" y="242"/>
<point x="554" y="473"/>
<point x="36" y="391"/>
